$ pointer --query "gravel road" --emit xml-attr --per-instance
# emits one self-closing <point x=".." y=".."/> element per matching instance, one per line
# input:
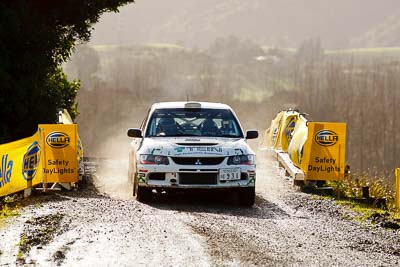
<point x="102" y="225"/>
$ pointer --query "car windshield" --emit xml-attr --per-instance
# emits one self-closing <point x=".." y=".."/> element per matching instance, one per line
<point x="193" y="122"/>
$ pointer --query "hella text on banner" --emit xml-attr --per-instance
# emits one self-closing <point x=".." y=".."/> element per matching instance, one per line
<point x="324" y="151"/>
<point x="20" y="165"/>
<point x="60" y="155"/>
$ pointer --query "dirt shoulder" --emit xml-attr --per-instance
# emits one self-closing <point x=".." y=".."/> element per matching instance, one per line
<point x="99" y="226"/>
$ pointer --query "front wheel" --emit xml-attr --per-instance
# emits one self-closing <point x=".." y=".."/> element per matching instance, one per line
<point x="247" y="196"/>
<point x="143" y="194"/>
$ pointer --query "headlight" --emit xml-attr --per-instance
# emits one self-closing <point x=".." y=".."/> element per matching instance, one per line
<point x="154" y="159"/>
<point x="242" y="160"/>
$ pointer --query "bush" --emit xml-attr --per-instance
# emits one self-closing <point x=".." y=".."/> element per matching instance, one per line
<point x="36" y="37"/>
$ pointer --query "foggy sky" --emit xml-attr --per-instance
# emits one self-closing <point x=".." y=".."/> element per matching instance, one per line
<point x="197" y="23"/>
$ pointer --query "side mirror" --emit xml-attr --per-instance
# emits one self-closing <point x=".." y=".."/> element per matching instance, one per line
<point x="135" y="133"/>
<point x="251" y="134"/>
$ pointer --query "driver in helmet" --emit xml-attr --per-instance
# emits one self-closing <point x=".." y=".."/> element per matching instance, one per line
<point x="167" y="127"/>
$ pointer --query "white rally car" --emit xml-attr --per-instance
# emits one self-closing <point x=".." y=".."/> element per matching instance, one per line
<point x="191" y="145"/>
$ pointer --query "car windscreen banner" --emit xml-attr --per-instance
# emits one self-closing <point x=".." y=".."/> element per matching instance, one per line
<point x="60" y="155"/>
<point x="49" y="156"/>
<point x="324" y="151"/>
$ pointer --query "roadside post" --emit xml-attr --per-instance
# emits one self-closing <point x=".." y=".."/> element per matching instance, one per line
<point x="397" y="177"/>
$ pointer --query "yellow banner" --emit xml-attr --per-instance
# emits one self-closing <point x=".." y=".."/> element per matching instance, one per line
<point x="324" y="151"/>
<point x="21" y="166"/>
<point x="60" y="155"/>
<point x="49" y="156"/>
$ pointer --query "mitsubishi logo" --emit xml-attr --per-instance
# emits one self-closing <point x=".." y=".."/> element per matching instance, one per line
<point x="198" y="162"/>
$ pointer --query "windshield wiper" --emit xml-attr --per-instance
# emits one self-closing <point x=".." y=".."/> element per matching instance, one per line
<point x="183" y="134"/>
<point x="180" y="135"/>
<point x="228" y="135"/>
<point x="173" y="135"/>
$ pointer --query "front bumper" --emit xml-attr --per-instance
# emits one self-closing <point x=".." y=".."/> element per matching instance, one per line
<point x="192" y="176"/>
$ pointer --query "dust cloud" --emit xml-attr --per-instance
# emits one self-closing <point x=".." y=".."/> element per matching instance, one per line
<point x="126" y="80"/>
<point x="111" y="179"/>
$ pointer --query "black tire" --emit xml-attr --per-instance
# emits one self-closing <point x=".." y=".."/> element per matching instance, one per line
<point x="300" y="184"/>
<point x="247" y="196"/>
<point x="143" y="194"/>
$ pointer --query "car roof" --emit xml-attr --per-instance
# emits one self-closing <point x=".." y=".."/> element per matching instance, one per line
<point x="168" y="105"/>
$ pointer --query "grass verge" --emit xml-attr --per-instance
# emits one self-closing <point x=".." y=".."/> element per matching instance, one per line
<point x="349" y="193"/>
<point x="9" y="206"/>
<point x="367" y="212"/>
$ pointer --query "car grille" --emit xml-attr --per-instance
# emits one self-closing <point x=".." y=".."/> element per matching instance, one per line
<point x="198" y="161"/>
<point x="198" y="178"/>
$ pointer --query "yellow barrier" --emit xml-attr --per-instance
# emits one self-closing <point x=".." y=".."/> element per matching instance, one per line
<point x="397" y="175"/>
<point x="316" y="148"/>
<point x="280" y="133"/>
<point x="296" y="146"/>
<point x="49" y="156"/>
<point x="65" y="118"/>
<point x="273" y="131"/>
<point x="288" y="123"/>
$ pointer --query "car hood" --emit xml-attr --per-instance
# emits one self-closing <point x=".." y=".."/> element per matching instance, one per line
<point x="195" y="147"/>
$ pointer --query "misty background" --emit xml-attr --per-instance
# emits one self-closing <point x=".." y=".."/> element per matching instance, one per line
<point x="284" y="23"/>
<point x="335" y="60"/>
